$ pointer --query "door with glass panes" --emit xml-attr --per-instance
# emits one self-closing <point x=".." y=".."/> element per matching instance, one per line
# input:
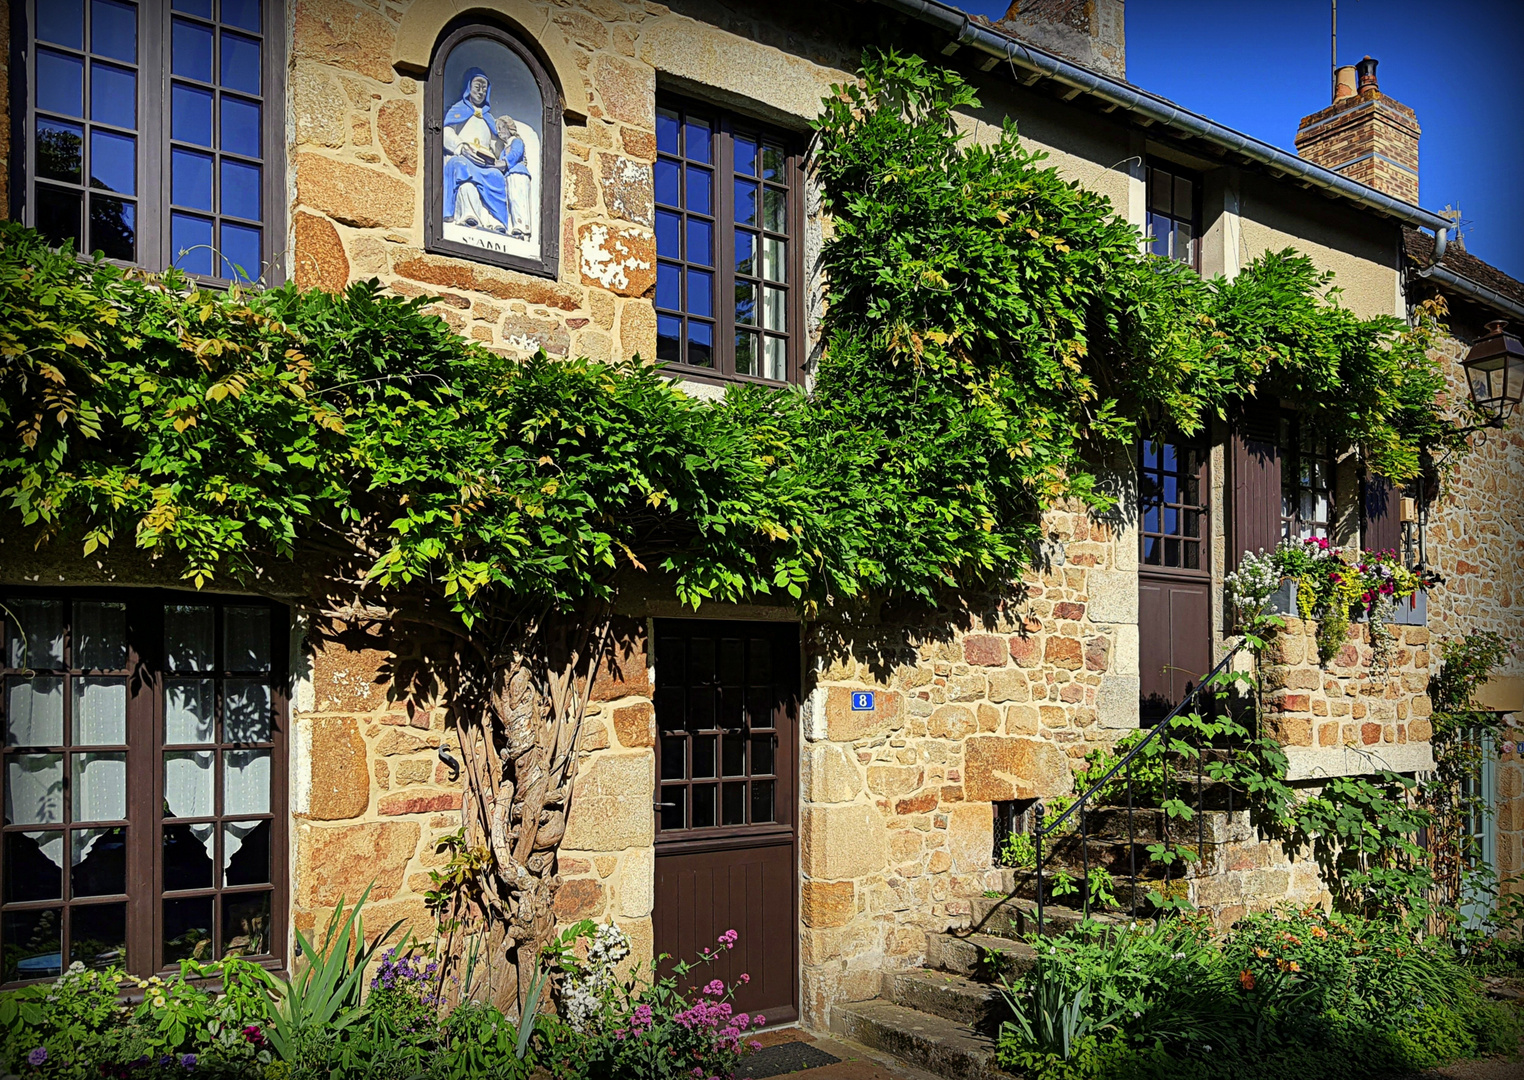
<point x="727" y="710"/>
<point x="1174" y="579"/>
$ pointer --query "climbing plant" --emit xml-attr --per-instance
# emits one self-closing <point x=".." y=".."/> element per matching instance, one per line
<point x="991" y="329"/>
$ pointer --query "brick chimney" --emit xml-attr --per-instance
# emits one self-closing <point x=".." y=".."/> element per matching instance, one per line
<point x="1364" y="134"/>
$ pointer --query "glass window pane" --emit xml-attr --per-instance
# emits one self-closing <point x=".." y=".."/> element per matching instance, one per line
<point x="189" y="637"/>
<point x="239" y="133"/>
<point x="34" y="711"/>
<point x="243" y="14"/>
<point x="98" y="935"/>
<point x="188" y="710"/>
<point x="746" y="252"/>
<point x="1183" y="242"/>
<point x="190" y="114"/>
<point x="246" y="852"/>
<point x="733" y="754"/>
<point x="113" y="162"/>
<point x="1160" y="188"/>
<point x="700" y="242"/>
<point x="772" y="162"/>
<point x="194" y="7"/>
<point x="747" y="357"/>
<point x="1151" y="550"/>
<point x="669" y="287"/>
<point x="666" y="131"/>
<point x="775" y="209"/>
<point x="187" y="856"/>
<point x="699" y="190"/>
<point x="700" y="344"/>
<point x="746" y="202"/>
<point x="33" y="944"/>
<point x="58" y="215"/>
<point x="762" y="753"/>
<point x="113" y="30"/>
<point x="34" y="631"/>
<point x="774" y="302"/>
<point x="34" y="785"/>
<point x="1184" y="203"/>
<point x="703" y="806"/>
<point x="697" y="140"/>
<point x="746" y="303"/>
<point x="113" y="228"/>
<point x="62" y="22"/>
<point x="1192" y="556"/>
<point x="191" y="239"/>
<point x="673" y="805"/>
<point x="734" y="812"/>
<point x="188" y="783"/>
<point x="673" y="748"/>
<point x="100" y="635"/>
<point x="669" y="338"/>
<point x="246" y="638"/>
<point x="100" y="787"/>
<point x="190" y="179"/>
<point x="100" y="710"/>
<point x="772" y="259"/>
<point x="669" y="236"/>
<point x="246" y="711"/>
<point x="776" y="360"/>
<point x="700" y="293"/>
<point x="240" y="190"/>
<point x="246" y="782"/>
<point x="60" y="83"/>
<point x="1171" y="521"/>
<point x="98" y="862"/>
<point x="191" y="50"/>
<point x="240" y="63"/>
<point x="746" y="155"/>
<point x="761" y="801"/>
<point x="33" y="866"/>
<point x="60" y="150"/>
<point x="187" y="930"/>
<point x="666" y="183"/>
<point x="1171" y="552"/>
<point x="246" y="924"/>
<point x="242" y="255"/>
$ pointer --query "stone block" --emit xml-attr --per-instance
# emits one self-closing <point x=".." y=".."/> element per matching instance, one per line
<point x="340" y="861"/>
<point x="971" y="836"/>
<point x="998" y="767"/>
<point x="320" y="259"/>
<point x="892" y="780"/>
<point x="1290" y="730"/>
<point x="1420" y="730"/>
<point x="635" y="725"/>
<point x="1063" y="652"/>
<point x="637" y="883"/>
<point x="1026" y="651"/>
<point x="623" y="672"/>
<point x="923" y="803"/>
<point x="1022" y="720"/>
<point x="1117" y="703"/>
<point x="619" y="258"/>
<point x="578" y="898"/>
<point x="827" y="775"/>
<point x="985" y="650"/>
<point x="1010" y="684"/>
<point x="841" y="842"/>
<point x="627" y="90"/>
<point x="353" y="194"/>
<point x="627" y="190"/>
<point x="843" y="724"/>
<point x="340" y="779"/>
<point x="401" y="803"/>
<point x="1113" y="596"/>
<point x="345" y="35"/>
<point x="611" y="805"/>
<point x="1098" y="653"/>
<point x="951" y="722"/>
<point x="397" y="125"/>
<point x="823" y="904"/>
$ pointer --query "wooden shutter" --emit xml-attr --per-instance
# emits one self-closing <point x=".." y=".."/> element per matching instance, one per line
<point x="1256" y="502"/>
<point x="1381" y="529"/>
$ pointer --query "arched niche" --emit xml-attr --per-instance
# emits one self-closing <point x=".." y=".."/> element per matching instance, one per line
<point x="425" y="21"/>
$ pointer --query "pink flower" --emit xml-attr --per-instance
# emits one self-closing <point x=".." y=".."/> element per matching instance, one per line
<point x="745" y="978"/>
<point x="755" y="1046"/>
<point x="715" y="988"/>
<point x="728" y="939"/>
<point x="759" y="1020"/>
<point x="741" y="1021"/>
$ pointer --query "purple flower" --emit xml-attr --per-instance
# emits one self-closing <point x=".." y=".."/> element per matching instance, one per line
<point x="37" y="1056"/>
<point x="188" y="1061"/>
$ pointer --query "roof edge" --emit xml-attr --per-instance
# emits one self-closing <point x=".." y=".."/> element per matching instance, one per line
<point x="1126" y="96"/>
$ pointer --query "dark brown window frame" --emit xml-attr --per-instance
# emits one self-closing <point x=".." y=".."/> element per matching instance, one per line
<point x="1193" y="221"/>
<point x="1293" y="432"/>
<point x="145" y="748"/>
<point x="549" y="263"/>
<point x="1201" y="507"/>
<point x="725" y="123"/>
<point x="153" y="235"/>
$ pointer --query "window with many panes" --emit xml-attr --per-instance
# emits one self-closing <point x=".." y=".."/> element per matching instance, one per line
<point x="1307" y="471"/>
<point x="152" y="132"/>
<point x="727" y="197"/>
<point x="1171" y="487"/>
<point x="141" y="769"/>
<point x="1173" y="214"/>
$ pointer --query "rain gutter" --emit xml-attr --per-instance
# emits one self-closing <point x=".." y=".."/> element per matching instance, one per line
<point x="1122" y="95"/>
<point x="1474" y="290"/>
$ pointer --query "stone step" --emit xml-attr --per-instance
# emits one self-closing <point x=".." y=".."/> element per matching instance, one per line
<point x="966" y="956"/>
<point x="952" y="997"/>
<point x="1016" y="916"/>
<point x="941" y="1046"/>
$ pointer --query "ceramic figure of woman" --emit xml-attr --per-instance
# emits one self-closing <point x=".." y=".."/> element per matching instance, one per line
<point x="475" y="187"/>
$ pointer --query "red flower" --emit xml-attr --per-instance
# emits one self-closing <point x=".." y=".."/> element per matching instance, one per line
<point x="1246" y="979"/>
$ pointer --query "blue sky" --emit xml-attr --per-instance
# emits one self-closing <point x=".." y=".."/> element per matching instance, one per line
<point x="1261" y="65"/>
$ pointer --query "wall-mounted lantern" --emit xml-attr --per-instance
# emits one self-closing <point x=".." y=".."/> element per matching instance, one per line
<point x="1495" y="373"/>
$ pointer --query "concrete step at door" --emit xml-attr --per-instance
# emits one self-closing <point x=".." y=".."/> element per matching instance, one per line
<point x="981" y="957"/>
<point x="977" y="1005"/>
<point x="1016" y="916"/>
<point x="941" y="1046"/>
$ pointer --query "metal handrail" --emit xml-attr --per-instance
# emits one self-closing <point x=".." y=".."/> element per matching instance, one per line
<point x="1078" y="806"/>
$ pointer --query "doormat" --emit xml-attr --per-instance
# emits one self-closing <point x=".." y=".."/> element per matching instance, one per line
<point x="782" y="1059"/>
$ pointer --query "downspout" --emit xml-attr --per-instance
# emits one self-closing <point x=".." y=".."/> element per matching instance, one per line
<point x="1115" y="92"/>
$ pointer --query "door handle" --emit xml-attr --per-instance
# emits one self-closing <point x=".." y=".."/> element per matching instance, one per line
<point x="665" y="805"/>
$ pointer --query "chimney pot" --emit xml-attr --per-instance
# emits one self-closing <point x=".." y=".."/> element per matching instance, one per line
<point x="1344" y="82"/>
<point x="1366" y="70"/>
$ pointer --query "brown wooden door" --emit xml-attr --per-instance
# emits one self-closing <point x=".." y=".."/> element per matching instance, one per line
<point x="1174" y="582"/>
<point x="727" y="708"/>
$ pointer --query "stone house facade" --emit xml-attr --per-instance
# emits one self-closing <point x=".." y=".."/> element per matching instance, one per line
<point x="865" y="801"/>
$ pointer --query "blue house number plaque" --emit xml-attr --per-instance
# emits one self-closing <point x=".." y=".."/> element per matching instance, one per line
<point x="862" y="701"/>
